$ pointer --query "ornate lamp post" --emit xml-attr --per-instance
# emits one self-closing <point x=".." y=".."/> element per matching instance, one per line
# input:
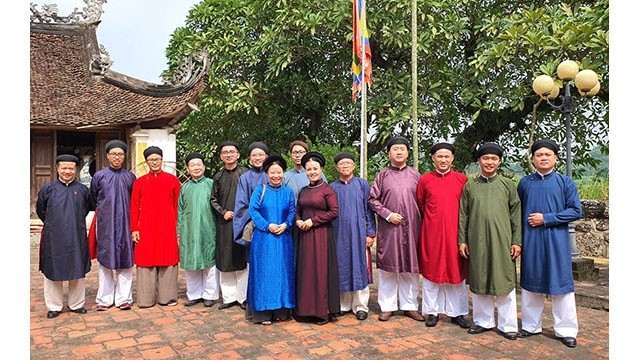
<point x="587" y="84"/>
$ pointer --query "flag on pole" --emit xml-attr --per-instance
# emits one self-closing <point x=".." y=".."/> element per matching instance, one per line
<point x="360" y="48"/>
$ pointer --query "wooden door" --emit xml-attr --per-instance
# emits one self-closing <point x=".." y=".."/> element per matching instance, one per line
<point x="43" y="152"/>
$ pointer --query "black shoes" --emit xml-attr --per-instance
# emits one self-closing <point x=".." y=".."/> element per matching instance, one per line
<point x="53" y="314"/>
<point x="209" y="303"/>
<point x="431" y="320"/>
<point x="460" y="321"/>
<point x="524" y="333"/>
<point x="81" y="310"/>
<point x="569" y="341"/>
<point x="508" y="335"/>
<point x="170" y="303"/>
<point x="243" y="305"/>
<point x="193" y="302"/>
<point x="477" y="329"/>
<point x="361" y="315"/>
<point x="226" y="306"/>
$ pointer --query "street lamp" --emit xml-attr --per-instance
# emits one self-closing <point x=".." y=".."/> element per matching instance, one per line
<point x="587" y="84"/>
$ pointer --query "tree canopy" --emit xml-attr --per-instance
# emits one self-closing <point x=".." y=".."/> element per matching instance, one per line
<point x="280" y="71"/>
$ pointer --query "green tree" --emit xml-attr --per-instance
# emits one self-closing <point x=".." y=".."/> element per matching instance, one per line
<point x="280" y="71"/>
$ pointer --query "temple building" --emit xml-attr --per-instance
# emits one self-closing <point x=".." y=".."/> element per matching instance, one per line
<point x="78" y="103"/>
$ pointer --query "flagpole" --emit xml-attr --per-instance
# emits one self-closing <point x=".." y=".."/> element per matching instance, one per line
<point x="363" y="102"/>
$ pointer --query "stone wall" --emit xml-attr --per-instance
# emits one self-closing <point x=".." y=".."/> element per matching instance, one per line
<point x="592" y="231"/>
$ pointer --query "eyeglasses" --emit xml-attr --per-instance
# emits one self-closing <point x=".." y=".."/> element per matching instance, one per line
<point x="154" y="160"/>
<point x="345" y="163"/>
<point x="299" y="152"/>
<point x="116" y="155"/>
<point x="225" y="153"/>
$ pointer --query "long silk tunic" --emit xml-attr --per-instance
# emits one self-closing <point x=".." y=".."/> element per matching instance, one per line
<point x="64" y="250"/>
<point x="196" y="225"/>
<point x="229" y="255"/>
<point x="489" y="225"/>
<point x="394" y="190"/>
<point x="246" y="185"/>
<point x="111" y="189"/>
<point x="546" y="250"/>
<point x="271" y="284"/>
<point x="317" y="289"/>
<point x="439" y="200"/>
<point x="354" y="223"/>
<point x="154" y="213"/>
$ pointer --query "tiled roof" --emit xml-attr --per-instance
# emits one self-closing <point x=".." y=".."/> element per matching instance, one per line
<point x="68" y="92"/>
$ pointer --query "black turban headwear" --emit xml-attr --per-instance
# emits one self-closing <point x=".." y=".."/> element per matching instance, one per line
<point x="228" y="143"/>
<point x="344" y="155"/>
<point x="397" y="140"/>
<point x="312" y="155"/>
<point x="272" y="160"/>
<point x="258" y="145"/>
<point x="194" y="155"/>
<point x="152" y="150"/>
<point x="115" y="144"/>
<point x="442" y="145"/>
<point x="68" y="158"/>
<point x="489" y="148"/>
<point x="544" y="143"/>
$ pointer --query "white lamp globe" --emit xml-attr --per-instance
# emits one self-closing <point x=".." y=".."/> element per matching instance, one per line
<point x="567" y="70"/>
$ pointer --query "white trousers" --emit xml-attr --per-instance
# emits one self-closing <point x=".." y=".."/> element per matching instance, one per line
<point x="449" y="299"/>
<point x="391" y="284"/>
<point x="355" y="301"/>
<point x="483" y="311"/>
<point x="203" y="284"/>
<point x="54" y="294"/>
<point x="233" y="285"/>
<point x="563" y="309"/>
<point x="116" y="291"/>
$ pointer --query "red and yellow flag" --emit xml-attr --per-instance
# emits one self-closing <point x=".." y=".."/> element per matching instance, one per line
<point x="360" y="40"/>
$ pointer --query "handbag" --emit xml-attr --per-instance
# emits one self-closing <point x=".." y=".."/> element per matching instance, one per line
<point x="247" y="232"/>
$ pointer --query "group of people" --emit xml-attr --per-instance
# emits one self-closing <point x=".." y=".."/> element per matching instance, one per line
<point x="309" y="255"/>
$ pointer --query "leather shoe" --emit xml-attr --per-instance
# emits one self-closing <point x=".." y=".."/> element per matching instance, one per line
<point x="80" y="310"/>
<point x="414" y="315"/>
<point x="569" y="341"/>
<point x="477" y="329"/>
<point x="431" y="320"/>
<point x="208" y="303"/>
<point x="322" y="321"/>
<point x="385" y="315"/>
<point x="243" y="305"/>
<point x="52" y="314"/>
<point x="361" y="315"/>
<point x="226" y="306"/>
<point x="460" y="320"/>
<point x="524" y="333"/>
<point x="193" y="302"/>
<point x="508" y="335"/>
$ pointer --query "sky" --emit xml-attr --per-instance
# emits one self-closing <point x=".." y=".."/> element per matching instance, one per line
<point x="135" y="33"/>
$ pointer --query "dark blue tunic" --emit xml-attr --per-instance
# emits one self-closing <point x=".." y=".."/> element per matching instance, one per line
<point x="354" y="223"/>
<point x="111" y="189"/>
<point x="248" y="182"/>
<point x="546" y="250"/>
<point x="64" y="250"/>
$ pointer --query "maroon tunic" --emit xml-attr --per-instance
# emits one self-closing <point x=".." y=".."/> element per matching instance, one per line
<point x="317" y="283"/>
<point x="394" y="190"/>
